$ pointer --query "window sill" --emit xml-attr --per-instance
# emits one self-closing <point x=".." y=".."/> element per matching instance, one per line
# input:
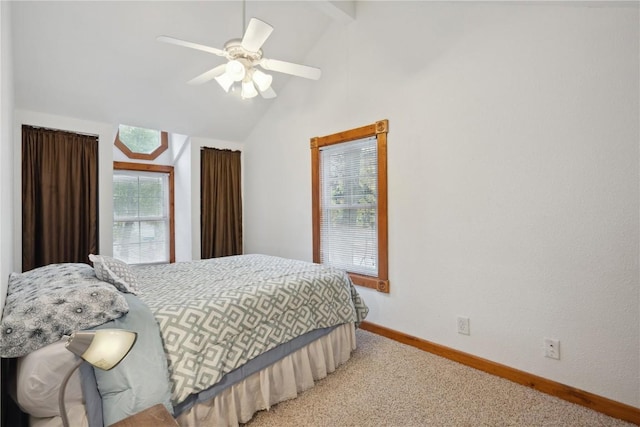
<point x="380" y="285"/>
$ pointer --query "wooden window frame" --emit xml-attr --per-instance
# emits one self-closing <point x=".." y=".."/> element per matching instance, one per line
<point x="378" y="130"/>
<point x="164" y="145"/>
<point x="145" y="167"/>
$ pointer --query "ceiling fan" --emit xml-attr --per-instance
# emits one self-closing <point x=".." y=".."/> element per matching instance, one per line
<point x="243" y="57"/>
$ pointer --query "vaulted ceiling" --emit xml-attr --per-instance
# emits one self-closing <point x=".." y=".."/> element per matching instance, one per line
<point x="100" y="61"/>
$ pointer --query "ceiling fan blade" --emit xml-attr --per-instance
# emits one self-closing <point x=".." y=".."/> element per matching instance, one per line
<point x="178" y="42"/>
<point x="209" y="75"/>
<point x="291" y="68"/>
<point x="256" y="34"/>
<point x="268" y="93"/>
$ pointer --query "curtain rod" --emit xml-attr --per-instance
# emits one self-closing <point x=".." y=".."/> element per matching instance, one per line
<point x="61" y="130"/>
<point x="220" y="149"/>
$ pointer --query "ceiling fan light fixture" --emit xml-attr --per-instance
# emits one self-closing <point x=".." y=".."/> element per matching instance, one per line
<point x="225" y="81"/>
<point x="262" y="80"/>
<point x="248" y="90"/>
<point x="235" y="70"/>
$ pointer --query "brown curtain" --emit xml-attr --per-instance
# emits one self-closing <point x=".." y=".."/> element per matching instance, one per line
<point x="59" y="197"/>
<point x="221" y="203"/>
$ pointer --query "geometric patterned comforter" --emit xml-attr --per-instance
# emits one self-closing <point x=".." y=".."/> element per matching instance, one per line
<point x="217" y="314"/>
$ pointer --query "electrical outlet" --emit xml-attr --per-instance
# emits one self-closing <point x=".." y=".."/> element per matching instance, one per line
<point x="552" y="348"/>
<point x="463" y="325"/>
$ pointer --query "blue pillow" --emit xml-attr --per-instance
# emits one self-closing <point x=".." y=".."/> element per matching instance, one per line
<point x="141" y="380"/>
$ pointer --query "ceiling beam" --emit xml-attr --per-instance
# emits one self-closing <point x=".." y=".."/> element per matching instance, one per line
<point x="341" y="11"/>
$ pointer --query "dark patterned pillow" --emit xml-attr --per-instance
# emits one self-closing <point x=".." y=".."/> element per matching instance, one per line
<point x="116" y="272"/>
<point x="42" y="275"/>
<point x="44" y="304"/>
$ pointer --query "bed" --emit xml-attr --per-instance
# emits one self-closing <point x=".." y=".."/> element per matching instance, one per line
<point x="218" y="339"/>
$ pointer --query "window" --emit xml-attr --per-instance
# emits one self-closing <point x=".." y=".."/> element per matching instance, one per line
<point x="143" y="224"/>
<point x="140" y="143"/>
<point x="349" y="203"/>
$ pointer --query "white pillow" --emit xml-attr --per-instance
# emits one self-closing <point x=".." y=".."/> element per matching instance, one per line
<point x="39" y="377"/>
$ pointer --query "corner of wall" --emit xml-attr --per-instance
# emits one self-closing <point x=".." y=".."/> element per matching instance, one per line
<point x="6" y="150"/>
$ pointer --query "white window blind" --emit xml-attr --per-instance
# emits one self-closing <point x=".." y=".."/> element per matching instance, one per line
<point x="348" y="185"/>
<point x="141" y="217"/>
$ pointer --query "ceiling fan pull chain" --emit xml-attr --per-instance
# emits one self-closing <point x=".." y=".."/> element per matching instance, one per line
<point x="244" y="17"/>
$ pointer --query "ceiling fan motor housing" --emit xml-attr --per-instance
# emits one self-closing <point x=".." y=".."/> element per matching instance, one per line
<point x="235" y="50"/>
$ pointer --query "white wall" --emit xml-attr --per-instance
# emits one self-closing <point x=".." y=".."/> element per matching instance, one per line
<point x="6" y="150"/>
<point x="181" y="153"/>
<point x="513" y="176"/>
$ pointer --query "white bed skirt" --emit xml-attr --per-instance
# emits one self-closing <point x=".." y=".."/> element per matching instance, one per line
<point x="279" y="382"/>
<point x="276" y="383"/>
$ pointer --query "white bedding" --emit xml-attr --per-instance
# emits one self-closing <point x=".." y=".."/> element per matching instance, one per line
<point x="39" y="376"/>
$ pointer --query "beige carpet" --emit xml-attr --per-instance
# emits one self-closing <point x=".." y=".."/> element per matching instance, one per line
<point x="391" y="384"/>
